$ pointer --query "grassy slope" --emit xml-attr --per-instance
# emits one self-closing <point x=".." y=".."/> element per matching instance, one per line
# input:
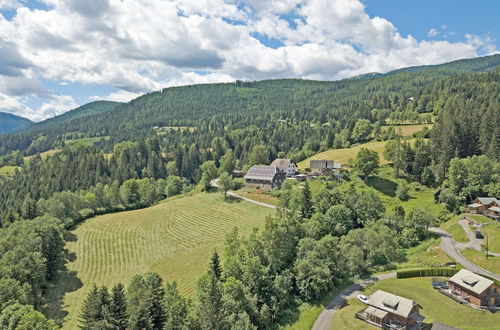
<point x="343" y="155"/>
<point x="426" y="254"/>
<point x="493" y="232"/>
<point x="479" y="258"/>
<point x="408" y="130"/>
<point x="8" y="170"/>
<point x="436" y="307"/>
<point x="174" y="238"/>
<point x="455" y="230"/>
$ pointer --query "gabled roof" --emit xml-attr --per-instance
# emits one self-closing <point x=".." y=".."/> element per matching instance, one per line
<point x="391" y="303"/>
<point x="376" y="312"/>
<point x="282" y="162"/>
<point x="471" y="281"/>
<point x="494" y="208"/>
<point x="262" y="172"/>
<point x="321" y="163"/>
<point x="474" y="205"/>
<point x="487" y="200"/>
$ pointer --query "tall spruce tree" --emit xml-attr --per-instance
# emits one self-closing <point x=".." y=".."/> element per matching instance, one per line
<point x="118" y="316"/>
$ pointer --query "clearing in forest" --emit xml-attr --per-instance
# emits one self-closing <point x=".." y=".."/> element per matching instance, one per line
<point x="174" y="238"/>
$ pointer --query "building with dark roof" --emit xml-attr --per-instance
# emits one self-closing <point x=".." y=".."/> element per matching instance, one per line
<point x="264" y="177"/>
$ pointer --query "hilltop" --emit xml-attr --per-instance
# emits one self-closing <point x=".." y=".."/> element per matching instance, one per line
<point x="10" y="123"/>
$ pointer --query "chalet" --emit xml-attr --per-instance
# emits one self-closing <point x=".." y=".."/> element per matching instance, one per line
<point x="489" y="206"/>
<point x="265" y="177"/>
<point x="475" y="289"/>
<point x="286" y="166"/>
<point x="324" y="167"/>
<point x="388" y="311"/>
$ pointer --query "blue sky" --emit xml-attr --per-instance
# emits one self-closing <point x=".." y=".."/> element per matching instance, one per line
<point x="58" y="54"/>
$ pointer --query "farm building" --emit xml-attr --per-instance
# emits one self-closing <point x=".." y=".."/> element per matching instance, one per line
<point x="324" y="167"/>
<point x="389" y="311"/>
<point x="286" y="166"/>
<point x="264" y="177"/>
<point x="475" y="289"/>
<point x="489" y="206"/>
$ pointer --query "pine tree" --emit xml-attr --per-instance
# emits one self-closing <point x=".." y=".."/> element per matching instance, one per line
<point x="118" y="308"/>
<point x="155" y="295"/>
<point x="306" y="207"/>
<point x="92" y="310"/>
<point x="215" y="267"/>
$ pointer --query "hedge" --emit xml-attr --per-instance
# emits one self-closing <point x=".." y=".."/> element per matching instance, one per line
<point x="426" y="272"/>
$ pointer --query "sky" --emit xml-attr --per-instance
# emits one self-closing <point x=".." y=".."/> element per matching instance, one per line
<point x="58" y="54"/>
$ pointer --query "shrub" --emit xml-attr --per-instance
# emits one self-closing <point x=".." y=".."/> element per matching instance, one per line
<point x="447" y="272"/>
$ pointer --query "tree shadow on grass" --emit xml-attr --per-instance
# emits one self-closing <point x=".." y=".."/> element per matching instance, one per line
<point x="53" y="300"/>
<point x="233" y="200"/>
<point x="386" y="187"/>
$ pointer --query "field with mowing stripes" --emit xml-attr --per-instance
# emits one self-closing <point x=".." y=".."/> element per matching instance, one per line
<point x="174" y="238"/>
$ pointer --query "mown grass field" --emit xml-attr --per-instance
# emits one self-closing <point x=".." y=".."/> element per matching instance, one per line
<point x="174" y="238"/>
<point x="44" y="154"/>
<point x="8" y="170"/>
<point x="408" y="130"/>
<point x="479" y="258"/>
<point x="436" y="307"/>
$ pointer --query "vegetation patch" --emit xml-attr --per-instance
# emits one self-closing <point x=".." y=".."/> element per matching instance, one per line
<point x="455" y="230"/>
<point x="493" y="234"/>
<point x="408" y="130"/>
<point x="8" y="170"/>
<point x="426" y="254"/>
<point x="436" y="306"/>
<point x="174" y="238"/>
<point x="479" y="258"/>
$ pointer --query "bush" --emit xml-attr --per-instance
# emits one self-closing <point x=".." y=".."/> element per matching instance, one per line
<point x="403" y="192"/>
<point x="448" y="272"/>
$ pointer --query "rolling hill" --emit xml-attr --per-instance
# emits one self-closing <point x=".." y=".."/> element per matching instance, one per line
<point x="89" y="109"/>
<point x="10" y="123"/>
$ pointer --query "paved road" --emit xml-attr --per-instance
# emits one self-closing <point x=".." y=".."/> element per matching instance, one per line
<point x="449" y="246"/>
<point x="473" y="243"/>
<point x="214" y="183"/>
<point x="324" y="319"/>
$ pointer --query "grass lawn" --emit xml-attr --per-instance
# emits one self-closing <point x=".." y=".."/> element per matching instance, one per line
<point x="479" y="258"/>
<point x="257" y="195"/>
<point x="436" y="307"/>
<point x="407" y="130"/>
<point x="426" y="254"/>
<point x="8" y="170"/>
<point x="174" y="238"/>
<point x="480" y="218"/>
<point x="455" y="230"/>
<point x="493" y="232"/>
<point x="309" y="312"/>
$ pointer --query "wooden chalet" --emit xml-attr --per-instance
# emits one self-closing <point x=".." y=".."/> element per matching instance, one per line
<point x="475" y="289"/>
<point x="389" y="311"/>
<point x="324" y="166"/>
<point x="264" y="177"/>
<point x="489" y="206"/>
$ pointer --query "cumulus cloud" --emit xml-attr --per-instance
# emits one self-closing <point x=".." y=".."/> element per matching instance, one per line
<point x="432" y="33"/>
<point x="141" y="45"/>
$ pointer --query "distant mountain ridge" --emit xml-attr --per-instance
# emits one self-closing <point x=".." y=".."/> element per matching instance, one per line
<point x="89" y="109"/>
<point x="10" y="123"/>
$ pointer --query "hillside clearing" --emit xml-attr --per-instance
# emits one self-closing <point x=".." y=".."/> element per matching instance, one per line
<point x="408" y="130"/>
<point x="436" y="307"/>
<point x="8" y="170"/>
<point x="174" y="238"/>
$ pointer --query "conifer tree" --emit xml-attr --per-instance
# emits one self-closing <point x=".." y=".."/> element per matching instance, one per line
<point x="306" y="207"/>
<point x="118" y="308"/>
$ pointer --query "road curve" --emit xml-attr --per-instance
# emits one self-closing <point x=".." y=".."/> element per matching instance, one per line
<point x="214" y="183"/>
<point x="449" y="247"/>
<point x="325" y="317"/>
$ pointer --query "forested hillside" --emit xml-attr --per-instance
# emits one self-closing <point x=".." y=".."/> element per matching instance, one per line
<point x="165" y="143"/>
<point x="10" y="123"/>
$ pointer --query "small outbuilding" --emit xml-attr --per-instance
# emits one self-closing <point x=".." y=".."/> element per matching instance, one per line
<point x="264" y="177"/>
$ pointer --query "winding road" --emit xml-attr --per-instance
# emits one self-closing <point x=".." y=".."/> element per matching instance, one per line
<point x="448" y="245"/>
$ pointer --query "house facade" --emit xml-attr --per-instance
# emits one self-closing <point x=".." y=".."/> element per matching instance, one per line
<point x="475" y="289"/>
<point x="489" y="206"/>
<point x="389" y="311"/>
<point x="324" y="166"/>
<point x="264" y="177"/>
<point x="286" y="166"/>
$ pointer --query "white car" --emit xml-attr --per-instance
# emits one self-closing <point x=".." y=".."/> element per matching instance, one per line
<point x="364" y="299"/>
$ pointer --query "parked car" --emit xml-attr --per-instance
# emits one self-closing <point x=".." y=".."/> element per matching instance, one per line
<point x="364" y="299"/>
<point x="479" y="235"/>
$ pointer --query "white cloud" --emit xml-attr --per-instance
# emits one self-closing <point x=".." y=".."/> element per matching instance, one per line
<point x="432" y="33"/>
<point x="120" y="96"/>
<point x="9" y="4"/>
<point x="142" y="45"/>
